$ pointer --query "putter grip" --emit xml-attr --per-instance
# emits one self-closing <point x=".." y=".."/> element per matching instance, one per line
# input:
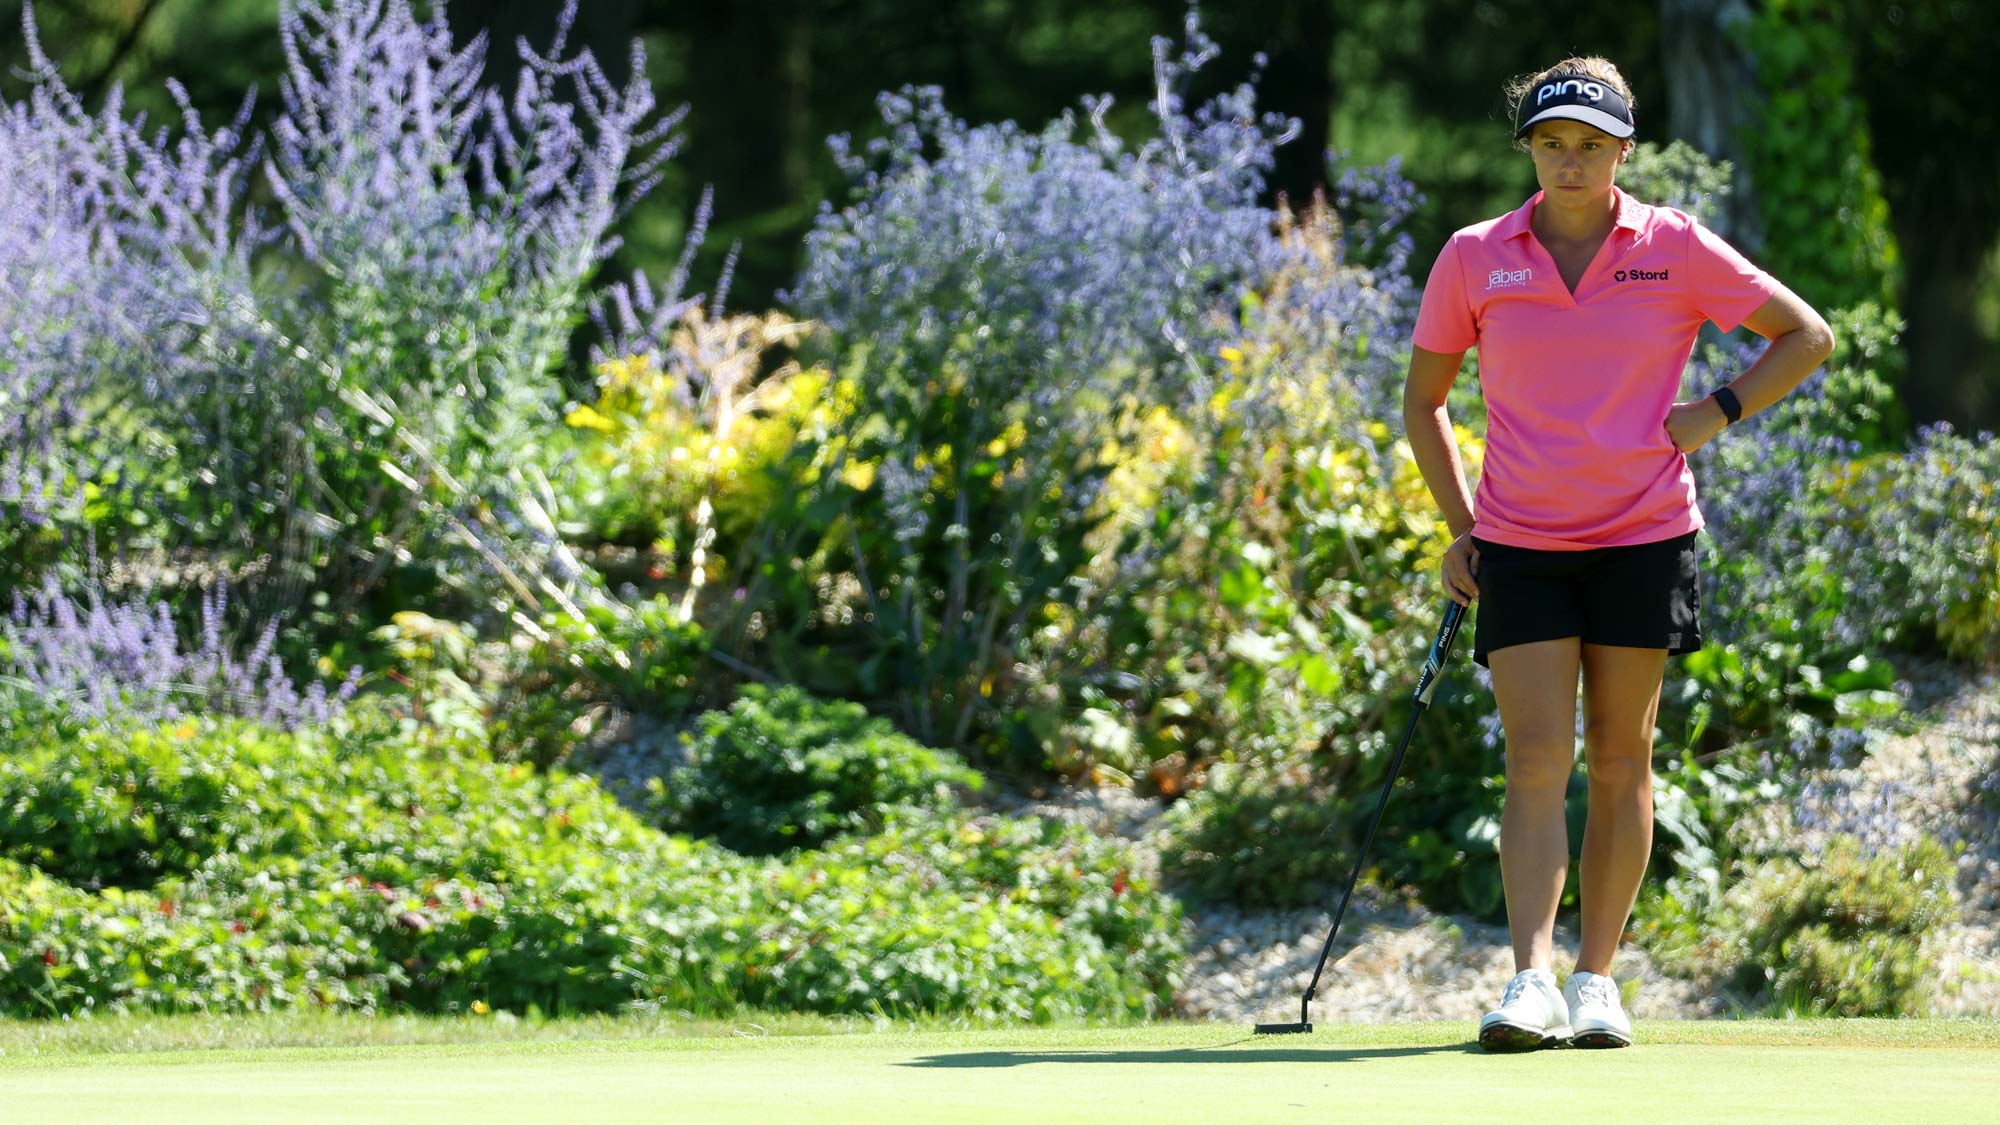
<point x="1454" y="616"/>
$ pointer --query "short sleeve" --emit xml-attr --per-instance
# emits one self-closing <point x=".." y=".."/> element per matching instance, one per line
<point x="1723" y="285"/>
<point x="1444" y="320"/>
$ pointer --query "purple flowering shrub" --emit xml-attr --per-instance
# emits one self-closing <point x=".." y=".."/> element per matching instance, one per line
<point x="1015" y="305"/>
<point x="360" y="403"/>
<point x="1075" y="366"/>
<point x="454" y="231"/>
<point x="1044" y="256"/>
<point x="1118" y="407"/>
<point x="104" y="661"/>
<point x="112" y="244"/>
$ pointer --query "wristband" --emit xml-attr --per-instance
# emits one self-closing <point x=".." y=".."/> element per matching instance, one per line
<point x="1726" y="398"/>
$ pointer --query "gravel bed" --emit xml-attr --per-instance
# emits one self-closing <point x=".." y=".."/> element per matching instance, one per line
<point x="626" y="751"/>
<point x="1392" y="961"/>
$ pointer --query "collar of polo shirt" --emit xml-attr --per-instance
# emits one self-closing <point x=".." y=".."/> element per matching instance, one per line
<point x="1514" y="224"/>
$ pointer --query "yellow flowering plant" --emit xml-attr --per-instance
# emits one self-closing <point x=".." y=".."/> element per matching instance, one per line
<point x="674" y="452"/>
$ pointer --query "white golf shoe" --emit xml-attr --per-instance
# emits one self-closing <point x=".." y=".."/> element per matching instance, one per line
<point x="1532" y="1014"/>
<point x="1595" y="1015"/>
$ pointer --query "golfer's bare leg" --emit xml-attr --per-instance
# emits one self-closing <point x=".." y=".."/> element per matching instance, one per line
<point x="1621" y="697"/>
<point x="1535" y="686"/>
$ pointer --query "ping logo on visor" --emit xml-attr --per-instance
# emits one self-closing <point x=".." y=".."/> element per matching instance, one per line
<point x="1591" y="90"/>
<point x="1575" y="97"/>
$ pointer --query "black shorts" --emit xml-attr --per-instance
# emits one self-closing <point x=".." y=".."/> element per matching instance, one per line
<point x="1643" y="595"/>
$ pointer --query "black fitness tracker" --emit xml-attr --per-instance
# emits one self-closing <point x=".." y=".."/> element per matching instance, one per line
<point x="1731" y="408"/>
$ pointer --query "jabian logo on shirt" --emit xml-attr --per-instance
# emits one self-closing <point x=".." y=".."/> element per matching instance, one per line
<point x="1640" y="275"/>
<point x="1501" y="279"/>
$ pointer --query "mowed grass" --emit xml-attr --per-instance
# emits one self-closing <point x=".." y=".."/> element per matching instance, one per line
<point x="663" y="1069"/>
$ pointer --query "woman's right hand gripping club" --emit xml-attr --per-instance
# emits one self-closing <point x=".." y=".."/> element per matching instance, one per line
<point x="1460" y="570"/>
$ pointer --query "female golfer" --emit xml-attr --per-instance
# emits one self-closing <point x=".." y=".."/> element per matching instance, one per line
<point x="1580" y="545"/>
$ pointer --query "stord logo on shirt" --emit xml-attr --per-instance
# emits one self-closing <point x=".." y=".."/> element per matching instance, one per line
<point x="1640" y="275"/>
<point x="1501" y="279"/>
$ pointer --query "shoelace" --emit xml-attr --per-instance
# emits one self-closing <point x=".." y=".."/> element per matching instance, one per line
<point x="1598" y="990"/>
<point x="1515" y="988"/>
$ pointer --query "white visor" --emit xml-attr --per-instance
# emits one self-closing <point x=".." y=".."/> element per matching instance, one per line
<point x="1589" y="115"/>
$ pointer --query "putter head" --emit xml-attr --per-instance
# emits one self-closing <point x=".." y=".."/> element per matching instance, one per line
<point x="1284" y="1028"/>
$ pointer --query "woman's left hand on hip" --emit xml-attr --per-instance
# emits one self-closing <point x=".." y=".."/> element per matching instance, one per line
<point x="1690" y="425"/>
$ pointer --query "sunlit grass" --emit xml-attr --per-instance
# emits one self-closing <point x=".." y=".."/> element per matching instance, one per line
<point x="24" y="1040"/>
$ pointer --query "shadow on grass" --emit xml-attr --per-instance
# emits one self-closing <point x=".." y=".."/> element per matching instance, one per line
<point x="1230" y="1052"/>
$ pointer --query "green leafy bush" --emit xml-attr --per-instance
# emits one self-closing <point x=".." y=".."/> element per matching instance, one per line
<point x="780" y="769"/>
<point x="636" y="655"/>
<point x="1856" y="399"/>
<point x="124" y="809"/>
<point x="399" y="874"/>
<point x="1819" y="196"/>
<point x="180" y="947"/>
<point x="1678" y="176"/>
<point x="1696" y="801"/>
<point x="994" y="905"/>
<point x="1776" y="696"/>
<point x="1840" y="933"/>
<point x="1843" y="935"/>
<point x="1925" y="522"/>
<point x="640" y="655"/>
<point x="1258" y="837"/>
<point x="1262" y="836"/>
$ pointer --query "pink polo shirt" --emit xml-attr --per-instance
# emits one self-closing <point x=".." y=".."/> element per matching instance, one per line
<point x="1577" y="388"/>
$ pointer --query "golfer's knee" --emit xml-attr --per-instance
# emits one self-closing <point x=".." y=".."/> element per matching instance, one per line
<point x="1539" y="765"/>
<point x="1619" y="766"/>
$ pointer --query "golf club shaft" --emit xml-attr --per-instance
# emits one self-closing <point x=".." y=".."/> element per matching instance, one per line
<point x="1305" y="1005"/>
<point x="1433" y="668"/>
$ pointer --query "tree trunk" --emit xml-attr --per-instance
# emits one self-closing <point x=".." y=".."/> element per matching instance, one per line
<point x="1955" y="373"/>
<point x="1925" y="73"/>
<point x="1713" y="94"/>
<point x="1300" y="82"/>
<point x="802" y="139"/>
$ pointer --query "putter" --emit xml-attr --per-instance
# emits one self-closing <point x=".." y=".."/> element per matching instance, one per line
<point x="1454" y="615"/>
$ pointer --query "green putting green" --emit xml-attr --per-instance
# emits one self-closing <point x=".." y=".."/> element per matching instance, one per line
<point x="1874" y="1071"/>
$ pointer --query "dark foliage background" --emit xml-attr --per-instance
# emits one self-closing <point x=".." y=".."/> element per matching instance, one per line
<point x="768" y="80"/>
